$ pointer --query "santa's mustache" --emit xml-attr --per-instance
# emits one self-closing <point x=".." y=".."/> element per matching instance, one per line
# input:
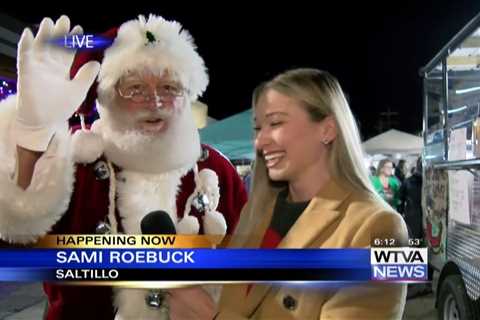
<point x="152" y="115"/>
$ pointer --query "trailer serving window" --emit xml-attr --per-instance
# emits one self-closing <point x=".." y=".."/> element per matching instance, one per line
<point x="463" y="94"/>
<point x="451" y="177"/>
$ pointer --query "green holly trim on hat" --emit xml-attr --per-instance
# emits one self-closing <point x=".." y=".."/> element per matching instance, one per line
<point x="150" y="37"/>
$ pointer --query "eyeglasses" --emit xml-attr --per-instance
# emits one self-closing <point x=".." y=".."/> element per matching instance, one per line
<point x="140" y="92"/>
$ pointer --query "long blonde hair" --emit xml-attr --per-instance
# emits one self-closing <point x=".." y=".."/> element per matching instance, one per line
<point x="322" y="96"/>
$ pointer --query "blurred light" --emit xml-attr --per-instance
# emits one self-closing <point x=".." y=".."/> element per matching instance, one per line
<point x="6" y="88"/>
<point x="461" y="91"/>
<point x="457" y="109"/>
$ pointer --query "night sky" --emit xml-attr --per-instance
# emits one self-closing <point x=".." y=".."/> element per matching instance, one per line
<point x="375" y="50"/>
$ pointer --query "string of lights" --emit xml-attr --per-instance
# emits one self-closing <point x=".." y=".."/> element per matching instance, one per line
<point x="7" y="88"/>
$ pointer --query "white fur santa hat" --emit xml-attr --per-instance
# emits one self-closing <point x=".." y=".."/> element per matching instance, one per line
<point x="152" y="44"/>
<point x="159" y="46"/>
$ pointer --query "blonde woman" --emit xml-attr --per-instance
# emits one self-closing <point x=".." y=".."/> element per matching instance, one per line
<point x="311" y="190"/>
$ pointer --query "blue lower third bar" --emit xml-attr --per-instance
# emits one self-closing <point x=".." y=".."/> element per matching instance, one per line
<point x="345" y="265"/>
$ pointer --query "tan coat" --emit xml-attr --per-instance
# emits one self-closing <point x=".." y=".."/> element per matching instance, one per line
<point x="335" y="218"/>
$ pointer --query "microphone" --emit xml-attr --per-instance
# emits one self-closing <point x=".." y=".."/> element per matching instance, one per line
<point x="157" y="222"/>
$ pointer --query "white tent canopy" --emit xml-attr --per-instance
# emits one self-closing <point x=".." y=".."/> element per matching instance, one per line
<point x="393" y="142"/>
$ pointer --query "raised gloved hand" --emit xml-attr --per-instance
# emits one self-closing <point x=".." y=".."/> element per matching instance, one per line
<point x="46" y="96"/>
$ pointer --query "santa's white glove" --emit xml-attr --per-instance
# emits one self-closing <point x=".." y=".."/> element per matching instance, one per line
<point x="47" y="97"/>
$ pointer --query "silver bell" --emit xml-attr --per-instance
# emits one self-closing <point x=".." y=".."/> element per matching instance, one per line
<point x="101" y="170"/>
<point x="156" y="299"/>
<point x="201" y="202"/>
<point x="103" y="228"/>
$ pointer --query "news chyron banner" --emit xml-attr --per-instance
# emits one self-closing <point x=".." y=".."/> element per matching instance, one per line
<point x="138" y="260"/>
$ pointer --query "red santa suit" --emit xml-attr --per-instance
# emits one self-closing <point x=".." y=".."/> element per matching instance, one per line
<point x="84" y="182"/>
<point x="68" y="302"/>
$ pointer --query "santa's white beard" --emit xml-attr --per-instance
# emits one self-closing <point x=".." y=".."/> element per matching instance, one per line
<point x="177" y="147"/>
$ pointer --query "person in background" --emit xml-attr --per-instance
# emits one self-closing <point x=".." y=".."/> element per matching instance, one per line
<point x="401" y="170"/>
<point x="373" y="171"/>
<point x="386" y="184"/>
<point x="411" y="210"/>
<point x="410" y="207"/>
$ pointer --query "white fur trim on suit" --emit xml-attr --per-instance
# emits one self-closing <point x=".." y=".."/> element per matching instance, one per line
<point x="214" y="223"/>
<point x="206" y="182"/>
<point x="173" y="50"/>
<point x="188" y="225"/>
<point x="139" y="194"/>
<point x="87" y="146"/>
<point x="28" y="214"/>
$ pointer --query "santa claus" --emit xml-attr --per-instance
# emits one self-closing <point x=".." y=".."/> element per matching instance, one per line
<point x="142" y="155"/>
